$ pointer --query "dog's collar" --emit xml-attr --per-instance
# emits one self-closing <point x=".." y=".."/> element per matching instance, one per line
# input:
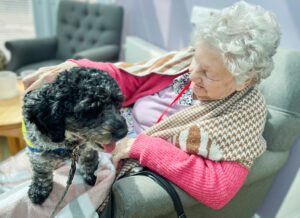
<point x="34" y="149"/>
<point x="59" y="151"/>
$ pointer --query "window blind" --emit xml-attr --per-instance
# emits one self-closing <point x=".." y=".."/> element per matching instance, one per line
<point x="16" y="21"/>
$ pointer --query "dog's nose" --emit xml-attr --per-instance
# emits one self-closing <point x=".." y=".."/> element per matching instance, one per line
<point x="120" y="129"/>
<point x="120" y="133"/>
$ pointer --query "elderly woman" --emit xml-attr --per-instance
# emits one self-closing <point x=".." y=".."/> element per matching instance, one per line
<point x="209" y="138"/>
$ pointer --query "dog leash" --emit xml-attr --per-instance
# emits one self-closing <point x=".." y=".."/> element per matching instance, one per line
<point x="75" y="155"/>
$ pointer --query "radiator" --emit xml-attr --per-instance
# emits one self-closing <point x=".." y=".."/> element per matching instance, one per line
<point x="137" y="49"/>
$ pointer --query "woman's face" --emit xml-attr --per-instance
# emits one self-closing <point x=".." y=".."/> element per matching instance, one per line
<point x="209" y="76"/>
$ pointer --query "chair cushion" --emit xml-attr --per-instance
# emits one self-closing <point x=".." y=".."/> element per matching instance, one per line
<point x="37" y="65"/>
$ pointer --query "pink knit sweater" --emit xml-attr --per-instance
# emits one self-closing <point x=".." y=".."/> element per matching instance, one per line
<point x="210" y="182"/>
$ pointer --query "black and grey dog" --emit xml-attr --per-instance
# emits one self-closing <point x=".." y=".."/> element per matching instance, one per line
<point x="81" y="108"/>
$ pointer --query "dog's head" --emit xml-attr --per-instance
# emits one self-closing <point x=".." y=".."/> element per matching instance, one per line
<point x="84" y="101"/>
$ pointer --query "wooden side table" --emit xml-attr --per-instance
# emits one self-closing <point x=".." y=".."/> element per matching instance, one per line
<point x="10" y="121"/>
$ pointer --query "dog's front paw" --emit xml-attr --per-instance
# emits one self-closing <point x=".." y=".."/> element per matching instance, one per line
<point x="90" y="179"/>
<point x="38" y="194"/>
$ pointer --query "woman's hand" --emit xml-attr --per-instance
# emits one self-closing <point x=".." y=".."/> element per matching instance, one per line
<point x="45" y="75"/>
<point x="122" y="150"/>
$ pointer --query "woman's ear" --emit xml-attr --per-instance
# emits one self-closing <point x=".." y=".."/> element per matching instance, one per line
<point x="243" y="85"/>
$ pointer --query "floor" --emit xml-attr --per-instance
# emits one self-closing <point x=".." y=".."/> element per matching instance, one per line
<point x="4" y="152"/>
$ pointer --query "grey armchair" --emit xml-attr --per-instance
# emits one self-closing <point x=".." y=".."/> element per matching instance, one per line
<point x="140" y="197"/>
<point x="84" y="30"/>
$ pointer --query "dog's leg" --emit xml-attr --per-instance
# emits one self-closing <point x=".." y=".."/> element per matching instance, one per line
<point x="42" y="179"/>
<point x="88" y="164"/>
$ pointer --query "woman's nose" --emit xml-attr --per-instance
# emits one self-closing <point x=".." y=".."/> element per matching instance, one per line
<point x="196" y="79"/>
<point x="193" y="77"/>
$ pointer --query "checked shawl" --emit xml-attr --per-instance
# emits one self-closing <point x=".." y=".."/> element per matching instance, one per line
<point x="229" y="129"/>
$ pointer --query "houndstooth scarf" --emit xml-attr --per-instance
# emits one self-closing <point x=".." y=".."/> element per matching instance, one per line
<point x="229" y="129"/>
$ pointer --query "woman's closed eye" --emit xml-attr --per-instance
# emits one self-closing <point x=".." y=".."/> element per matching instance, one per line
<point x="209" y="76"/>
<point x="212" y="79"/>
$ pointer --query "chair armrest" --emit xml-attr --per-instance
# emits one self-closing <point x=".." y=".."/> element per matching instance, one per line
<point x="29" y="51"/>
<point x="105" y="53"/>
<point x="140" y="196"/>
<point x="267" y="165"/>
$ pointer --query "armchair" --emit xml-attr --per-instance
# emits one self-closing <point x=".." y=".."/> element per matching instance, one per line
<point x="84" y="30"/>
<point x="139" y="196"/>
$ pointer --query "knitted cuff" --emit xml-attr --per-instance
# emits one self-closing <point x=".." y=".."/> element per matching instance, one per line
<point x="138" y="146"/>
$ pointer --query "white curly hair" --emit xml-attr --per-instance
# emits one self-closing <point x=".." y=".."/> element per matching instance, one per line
<point x="247" y="36"/>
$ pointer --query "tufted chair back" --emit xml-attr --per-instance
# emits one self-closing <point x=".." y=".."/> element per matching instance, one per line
<point x="82" y="26"/>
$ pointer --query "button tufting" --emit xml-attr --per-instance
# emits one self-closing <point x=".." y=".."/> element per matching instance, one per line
<point x="68" y="36"/>
<point x="102" y="28"/>
<point x="63" y="21"/>
<point x="77" y="24"/>
<point x="89" y="26"/>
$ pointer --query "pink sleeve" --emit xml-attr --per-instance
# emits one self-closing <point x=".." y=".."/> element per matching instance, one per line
<point x="133" y="87"/>
<point x="210" y="182"/>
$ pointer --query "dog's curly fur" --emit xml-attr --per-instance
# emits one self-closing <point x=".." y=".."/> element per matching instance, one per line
<point x="80" y="108"/>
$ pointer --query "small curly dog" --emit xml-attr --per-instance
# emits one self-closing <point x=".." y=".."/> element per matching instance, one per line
<point x="81" y="108"/>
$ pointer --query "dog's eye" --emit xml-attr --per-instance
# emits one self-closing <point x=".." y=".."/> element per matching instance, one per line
<point x="119" y="106"/>
<point x="118" y="97"/>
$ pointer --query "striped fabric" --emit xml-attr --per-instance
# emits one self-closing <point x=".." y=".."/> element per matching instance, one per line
<point x="169" y="64"/>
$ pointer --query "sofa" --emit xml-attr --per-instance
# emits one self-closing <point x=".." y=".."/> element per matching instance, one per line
<point x="141" y="197"/>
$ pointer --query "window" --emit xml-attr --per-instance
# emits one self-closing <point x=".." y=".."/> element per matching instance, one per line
<point x="16" y="21"/>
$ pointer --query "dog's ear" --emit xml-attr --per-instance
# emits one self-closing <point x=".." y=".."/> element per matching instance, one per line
<point x="46" y="114"/>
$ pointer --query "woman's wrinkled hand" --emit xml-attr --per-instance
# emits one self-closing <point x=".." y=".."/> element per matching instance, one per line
<point x="122" y="150"/>
<point x="45" y="75"/>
